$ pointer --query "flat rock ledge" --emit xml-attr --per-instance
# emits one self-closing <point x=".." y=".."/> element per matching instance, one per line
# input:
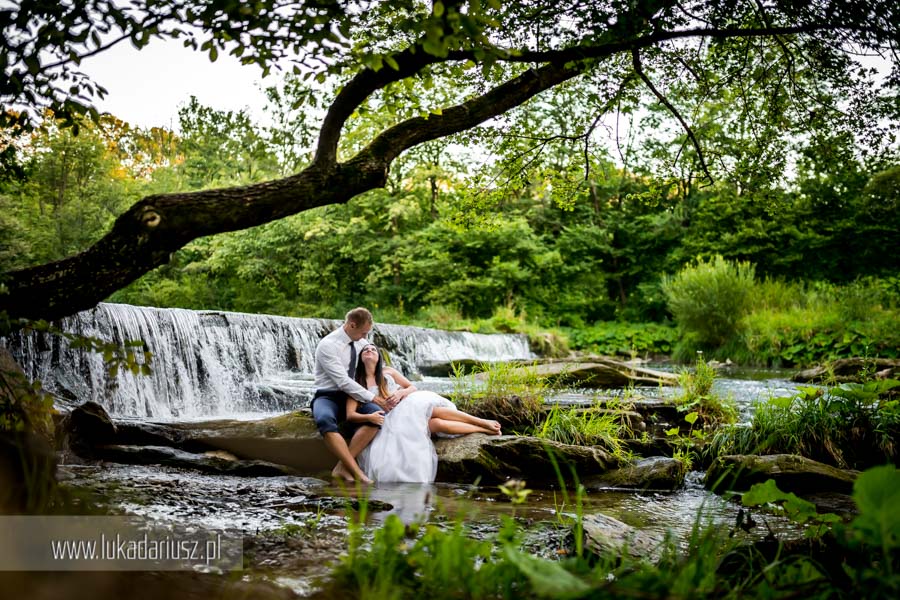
<point x="850" y="370"/>
<point x="792" y="473"/>
<point x="291" y="443"/>
<point x="599" y="372"/>
<point x="606" y="536"/>
<point x="214" y="463"/>
<point x="495" y="459"/>
<point x="653" y="473"/>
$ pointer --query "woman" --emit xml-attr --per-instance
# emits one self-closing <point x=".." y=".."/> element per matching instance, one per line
<point x="402" y="450"/>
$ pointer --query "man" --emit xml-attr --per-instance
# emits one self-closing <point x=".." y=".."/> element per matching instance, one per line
<point x="336" y="359"/>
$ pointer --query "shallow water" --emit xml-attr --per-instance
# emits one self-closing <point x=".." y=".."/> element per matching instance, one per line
<point x="268" y="505"/>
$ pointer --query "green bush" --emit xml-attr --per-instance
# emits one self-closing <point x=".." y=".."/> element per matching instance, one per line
<point x="709" y="299"/>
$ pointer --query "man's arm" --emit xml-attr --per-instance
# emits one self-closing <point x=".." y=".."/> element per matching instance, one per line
<point x="329" y="359"/>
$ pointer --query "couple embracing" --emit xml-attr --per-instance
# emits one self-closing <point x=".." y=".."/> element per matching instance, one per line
<point x="390" y="421"/>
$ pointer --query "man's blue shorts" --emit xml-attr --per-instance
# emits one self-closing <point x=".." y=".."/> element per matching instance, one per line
<point x="329" y="409"/>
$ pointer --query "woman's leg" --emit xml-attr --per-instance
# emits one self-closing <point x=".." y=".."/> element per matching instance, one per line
<point x="455" y="427"/>
<point x="451" y="414"/>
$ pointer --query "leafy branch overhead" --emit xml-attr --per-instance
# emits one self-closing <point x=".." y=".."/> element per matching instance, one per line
<point x="493" y="57"/>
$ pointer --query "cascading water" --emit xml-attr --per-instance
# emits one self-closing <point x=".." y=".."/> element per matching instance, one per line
<point x="217" y="364"/>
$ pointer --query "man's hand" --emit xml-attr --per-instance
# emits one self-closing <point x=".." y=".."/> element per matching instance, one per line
<point x="383" y="403"/>
<point x="395" y="398"/>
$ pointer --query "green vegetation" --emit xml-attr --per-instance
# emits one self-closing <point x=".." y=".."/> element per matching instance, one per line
<point x="721" y="309"/>
<point x="447" y="562"/>
<point x="709" y="299"/>
<point x="586" y="427"/>
<point x="853" y="425"/>
<point x="697" y="395"/>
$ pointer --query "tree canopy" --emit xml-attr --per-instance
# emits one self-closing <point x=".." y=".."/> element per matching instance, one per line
<point x="426" y="71"/>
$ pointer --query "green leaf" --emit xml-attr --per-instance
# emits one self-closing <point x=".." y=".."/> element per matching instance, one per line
<point x="691" y="417"/>
<point x="548" y="578"/>
<point x="438" y="9"/>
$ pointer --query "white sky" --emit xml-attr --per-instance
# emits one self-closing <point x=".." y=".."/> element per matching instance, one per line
<point x="147" y="87"/>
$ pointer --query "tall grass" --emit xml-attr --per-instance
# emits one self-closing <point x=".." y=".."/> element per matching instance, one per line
<point x="697" y="395"/>
<point x="853" y="425"/>
<point x="586" y="427"/>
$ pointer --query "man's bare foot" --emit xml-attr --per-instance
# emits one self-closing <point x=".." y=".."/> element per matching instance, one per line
<point x="340" y="472"/>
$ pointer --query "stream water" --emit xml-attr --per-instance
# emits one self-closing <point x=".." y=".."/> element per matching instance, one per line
<point x="226" y="365"/>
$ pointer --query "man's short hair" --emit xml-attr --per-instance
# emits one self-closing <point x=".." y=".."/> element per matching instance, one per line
<point x="359" y="316"/>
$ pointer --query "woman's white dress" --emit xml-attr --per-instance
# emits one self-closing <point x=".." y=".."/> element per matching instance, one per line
<point x="402" y="450"/>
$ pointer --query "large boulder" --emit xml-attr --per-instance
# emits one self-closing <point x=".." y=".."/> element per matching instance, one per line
<point x="605" y="536"/>
<point x="87" y="427"/>
<point x="791" y="472"/>
<point x="498" y="458"/>
<point x="653" y="473"/>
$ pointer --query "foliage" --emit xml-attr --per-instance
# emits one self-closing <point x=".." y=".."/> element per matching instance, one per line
<point x="624" y="339"/>
<point x="709" y="299"/>
<point x="793" y="507"/>
<point x="797" y="324"/>
<point x="853" y="425"/>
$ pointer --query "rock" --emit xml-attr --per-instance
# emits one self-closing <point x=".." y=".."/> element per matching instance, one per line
<point x="849" y="370"/>
<point x="654" y="473"/>
<point x="600" y="372"/>
<point x="497" y="458"/>
<point x="447" y="369"/>
<point x="605" y="536"/>
<point x="87" y="427"/>
<point x="205" y="463"/>
<point x="792" y="473"/>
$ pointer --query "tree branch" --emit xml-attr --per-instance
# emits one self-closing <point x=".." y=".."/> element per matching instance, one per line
<point x="636" y="61"/>
<point x="409" y="62"/>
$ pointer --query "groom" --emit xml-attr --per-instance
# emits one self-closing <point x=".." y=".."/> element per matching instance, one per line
<point x="336" y="359"/>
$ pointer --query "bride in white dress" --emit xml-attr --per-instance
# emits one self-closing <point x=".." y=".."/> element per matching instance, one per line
<point x="402" y="450"/>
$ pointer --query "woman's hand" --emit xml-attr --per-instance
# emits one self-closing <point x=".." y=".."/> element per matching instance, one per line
<point x="376" y="418"/>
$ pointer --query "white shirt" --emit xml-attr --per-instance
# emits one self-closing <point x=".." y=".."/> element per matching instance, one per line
<point x="332" y="362"/>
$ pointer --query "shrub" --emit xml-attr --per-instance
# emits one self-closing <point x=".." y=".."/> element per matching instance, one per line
<point x="709" y="299"/>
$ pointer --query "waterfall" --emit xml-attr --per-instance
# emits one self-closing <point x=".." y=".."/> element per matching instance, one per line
<point x="222" y="364"/>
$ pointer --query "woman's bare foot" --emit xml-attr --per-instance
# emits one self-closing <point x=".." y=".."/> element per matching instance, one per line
<point x="490" y="427"/>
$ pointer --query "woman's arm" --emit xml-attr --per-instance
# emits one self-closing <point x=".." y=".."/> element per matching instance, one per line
<point x="354" y="416"/>
<point x="406" y="386"/>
